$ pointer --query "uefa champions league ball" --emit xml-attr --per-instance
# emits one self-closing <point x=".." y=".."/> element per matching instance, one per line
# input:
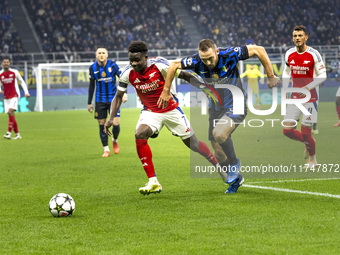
<point x="62" y="205"/>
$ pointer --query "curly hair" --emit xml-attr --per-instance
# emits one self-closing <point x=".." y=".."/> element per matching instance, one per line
<point x="138" y="46"/>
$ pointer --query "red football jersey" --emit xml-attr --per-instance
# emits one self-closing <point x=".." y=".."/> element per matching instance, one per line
<point x="304" y="67"/>
<point x="149" y="84"/>
<point x="9" y="81"/>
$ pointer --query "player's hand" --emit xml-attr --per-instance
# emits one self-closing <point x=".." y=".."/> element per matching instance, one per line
<point x="125" y="98"/>
<point x="107" y="125"/>
<point x="90" y="108"/>
<point x="272" y="82"/>
<point x="164" y="99"/>
<point x="1" y="92"/>
<point x="27" y="95"/>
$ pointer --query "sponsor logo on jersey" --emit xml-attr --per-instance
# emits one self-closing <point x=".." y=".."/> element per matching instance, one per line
<point x="137" y="81"/>
<point x="292" y="62"/>
<point x="148" y="86"/>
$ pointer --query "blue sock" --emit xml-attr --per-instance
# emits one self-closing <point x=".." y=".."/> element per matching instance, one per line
<point x="228" y="149"/>
<point x="115" y="131"/>
<point x="103" y="136"/>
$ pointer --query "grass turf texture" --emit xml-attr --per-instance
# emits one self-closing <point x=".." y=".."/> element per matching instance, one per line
<point x="61" y="152"/>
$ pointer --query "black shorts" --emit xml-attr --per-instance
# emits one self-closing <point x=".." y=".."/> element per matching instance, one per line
<point x="213" y="119"/>
<point x="101" y="110"/>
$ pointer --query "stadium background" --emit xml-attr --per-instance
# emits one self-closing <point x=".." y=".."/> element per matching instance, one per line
<point x="68" y="31"/>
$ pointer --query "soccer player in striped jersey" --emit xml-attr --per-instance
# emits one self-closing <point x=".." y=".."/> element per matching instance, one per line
<point x="9" y="80"/>
<point x="304" y="64"/>
<point x="147" y="77"/>
<point x="219" y="66"/>
<point x="103" y="74"/>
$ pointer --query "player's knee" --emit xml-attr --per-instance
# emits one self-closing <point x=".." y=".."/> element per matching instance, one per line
<point x="219" y="136"/>
<point x="194" y="144"/>
<point x="287" y="132"/>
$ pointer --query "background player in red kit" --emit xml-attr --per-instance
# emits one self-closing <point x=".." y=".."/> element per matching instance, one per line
<point x="148" y="76"/>
<point x="9" y="80"/>
<point x="308" y="71"/>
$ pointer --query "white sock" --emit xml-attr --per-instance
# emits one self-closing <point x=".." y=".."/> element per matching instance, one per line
<point x="106" y="148"/>
<point x="114" y="140"/>
<point x="312" y="158"/>
<point x="153" y="179"/>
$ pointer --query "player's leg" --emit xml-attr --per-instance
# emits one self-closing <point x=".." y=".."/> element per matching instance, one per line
<point x="337" y="104"/>
<point x="115" y="132"/>
<point x="221" y="130"/>
<point x="11" y="105"/>
<point x="103" y="138"/>
<point x="290" y="121"/>
<point x="200" y="147"/>
<point x="307" y="122"/>
<point x="100" y="115"/>
<point x="148" y="124"/>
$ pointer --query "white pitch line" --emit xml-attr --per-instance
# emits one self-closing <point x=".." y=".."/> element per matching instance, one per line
<point x="292" y="191"/>
<point x="300" y="180"/>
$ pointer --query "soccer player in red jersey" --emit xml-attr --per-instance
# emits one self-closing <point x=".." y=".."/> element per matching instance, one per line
<point x="304" y="64"/>
<point x="147" y="76"/>
<point x="9" y="80"/>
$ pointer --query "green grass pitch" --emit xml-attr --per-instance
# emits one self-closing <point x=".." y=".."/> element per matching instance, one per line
<point x="61" y="152"/>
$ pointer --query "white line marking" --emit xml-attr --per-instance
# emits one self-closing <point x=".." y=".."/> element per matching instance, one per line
<point x="300" y="180"/>
<point x="292" y="191"/>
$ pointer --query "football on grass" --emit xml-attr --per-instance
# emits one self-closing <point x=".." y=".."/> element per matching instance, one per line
<point x="62" y="205"/>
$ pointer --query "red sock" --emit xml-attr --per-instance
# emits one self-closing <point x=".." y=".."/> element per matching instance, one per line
<point x="293" y="134"/>
<point x="338" y="111"/>
<point x="11" y="121"/>
<point x="145" y="155"/>
<point x="204" y="150"/>
<point x="308" y="140"/>
<point x="15" y="125"/>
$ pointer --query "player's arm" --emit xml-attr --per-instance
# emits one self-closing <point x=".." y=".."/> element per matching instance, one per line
<point x="115" y="105"/>
<point x="320" y="71"/>
<point x="260" y="52"/>
<point x="22" y="83"/>
<point x="286" y="77"/>
<point x="90" y="96"/>
<point x="244" y="74"/>
<point x="166" y="96"/>
<point x="1" y="92"/>
<point x="194" y="81"/>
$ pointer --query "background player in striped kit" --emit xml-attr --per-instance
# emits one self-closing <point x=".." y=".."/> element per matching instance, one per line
<point x="9" y="78"/>
<point x="103" y="74"/>
<point x="308" y="71"/>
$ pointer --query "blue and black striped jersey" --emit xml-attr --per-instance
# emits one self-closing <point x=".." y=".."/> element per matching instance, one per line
<point x="225" y="72"/>
<point x="105" y="79"/>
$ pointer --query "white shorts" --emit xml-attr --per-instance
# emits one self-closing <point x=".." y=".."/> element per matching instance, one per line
<point x="11" y="103"/>
<point x="338" y="92"/>
<point x="176" y="121"/>
<point x="294" y="113"/>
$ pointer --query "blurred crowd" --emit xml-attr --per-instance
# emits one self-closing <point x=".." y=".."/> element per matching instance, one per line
<point x="10" y="40"/>
<point x="267" y="23"/>
<point x="69" y="25"/>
